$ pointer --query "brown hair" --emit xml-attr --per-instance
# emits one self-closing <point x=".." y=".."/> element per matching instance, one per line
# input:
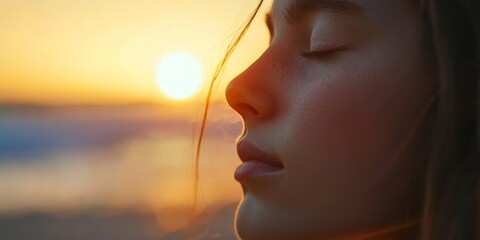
<point x="452" y="189"/>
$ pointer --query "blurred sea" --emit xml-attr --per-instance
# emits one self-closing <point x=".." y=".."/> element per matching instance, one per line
<point x="114" y="172"/>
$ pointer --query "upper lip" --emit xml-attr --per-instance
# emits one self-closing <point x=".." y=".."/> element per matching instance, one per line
<point x="248" y="151"/>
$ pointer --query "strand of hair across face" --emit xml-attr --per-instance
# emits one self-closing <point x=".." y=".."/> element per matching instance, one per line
<point x="231" y="47"/>
<point x="388" y="230"/>
<point x="381" y="232"/>
<point x="416" y="126"/>
<point x="411" y="223"/>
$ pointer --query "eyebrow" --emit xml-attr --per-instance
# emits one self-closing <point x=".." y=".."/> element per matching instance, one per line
<point x="296" y="9"/>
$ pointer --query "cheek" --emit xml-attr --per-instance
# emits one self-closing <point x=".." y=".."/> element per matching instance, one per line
<point x="350" y="123"/>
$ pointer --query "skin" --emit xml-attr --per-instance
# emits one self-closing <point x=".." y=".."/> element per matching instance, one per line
<point x="345" y="126"/>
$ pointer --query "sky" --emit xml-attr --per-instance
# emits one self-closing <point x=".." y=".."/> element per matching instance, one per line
<point x="71" y="52"/>
<point x="107" y="51"/>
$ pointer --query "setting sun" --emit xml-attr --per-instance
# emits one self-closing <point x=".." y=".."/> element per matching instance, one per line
<point x="179" y="75"/>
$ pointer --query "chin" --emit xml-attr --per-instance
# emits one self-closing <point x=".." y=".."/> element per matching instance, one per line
<point x="257" y="220"/>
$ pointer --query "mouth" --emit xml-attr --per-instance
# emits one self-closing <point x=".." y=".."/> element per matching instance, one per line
<point x="255" y="163"/>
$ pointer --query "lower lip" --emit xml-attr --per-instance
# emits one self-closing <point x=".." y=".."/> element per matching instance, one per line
<point x="254" y="168"/>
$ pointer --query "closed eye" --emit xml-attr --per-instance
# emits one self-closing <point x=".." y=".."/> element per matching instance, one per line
<point x="321" y="56"/>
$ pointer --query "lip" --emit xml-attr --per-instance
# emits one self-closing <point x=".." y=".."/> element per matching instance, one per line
<point x="255" y="162"/>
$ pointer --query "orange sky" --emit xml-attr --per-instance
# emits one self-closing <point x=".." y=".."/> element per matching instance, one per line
<point x="106" y="51"/>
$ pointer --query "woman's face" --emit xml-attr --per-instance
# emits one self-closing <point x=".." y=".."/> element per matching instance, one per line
<point x="335" y="101"/>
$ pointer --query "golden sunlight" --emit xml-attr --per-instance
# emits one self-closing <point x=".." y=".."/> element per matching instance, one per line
<point x="179" y="75"/>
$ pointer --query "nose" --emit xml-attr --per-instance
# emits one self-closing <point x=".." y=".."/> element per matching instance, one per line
<point x="252" y="93"/>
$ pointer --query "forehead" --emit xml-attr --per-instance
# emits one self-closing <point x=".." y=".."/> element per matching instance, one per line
<point x="383" y="11"/>
<point x="295" y="8"/>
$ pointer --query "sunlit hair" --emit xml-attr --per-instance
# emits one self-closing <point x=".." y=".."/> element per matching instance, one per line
<point x="218" y="71"/>
<point x="451" y="197"/>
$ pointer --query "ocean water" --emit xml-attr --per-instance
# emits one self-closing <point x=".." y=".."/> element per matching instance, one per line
<point x="114" y="172"/>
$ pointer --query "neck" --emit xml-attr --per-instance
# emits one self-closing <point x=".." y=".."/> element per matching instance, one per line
<point x="396" y="232"/>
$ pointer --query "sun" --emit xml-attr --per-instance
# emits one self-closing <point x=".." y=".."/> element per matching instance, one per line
<point x="179" y="75"/>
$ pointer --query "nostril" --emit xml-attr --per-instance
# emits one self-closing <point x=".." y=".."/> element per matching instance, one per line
<point x="245" y="109"/>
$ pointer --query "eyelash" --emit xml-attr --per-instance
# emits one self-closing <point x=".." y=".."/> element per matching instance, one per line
<point x="321" y="56"/>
